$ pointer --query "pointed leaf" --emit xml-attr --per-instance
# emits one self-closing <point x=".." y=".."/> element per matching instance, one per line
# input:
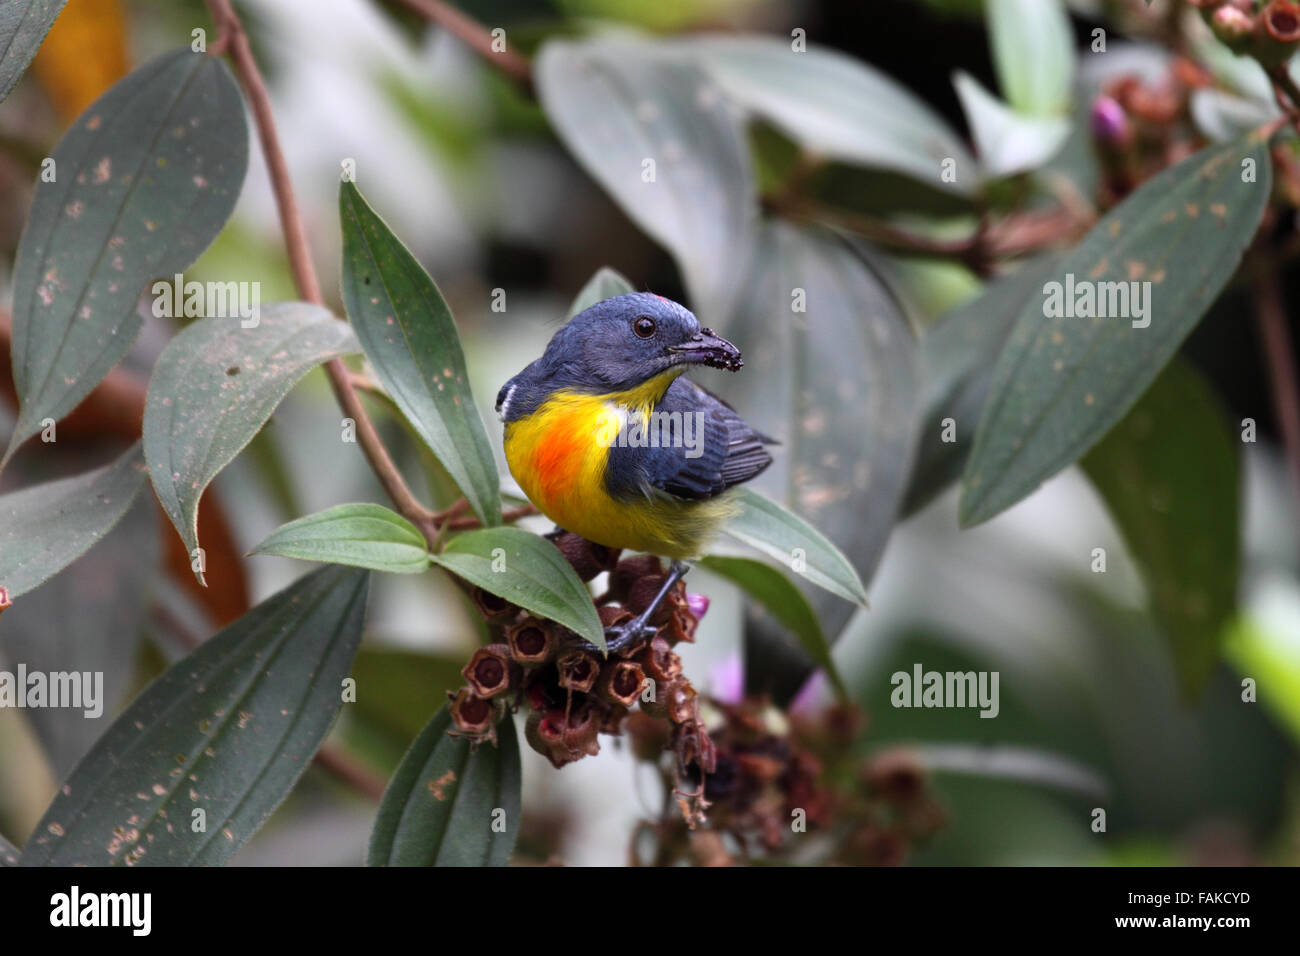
<point x="145" y="179"/>
<point x="362" y="535"/>
<point x="1180" y="523"/>
<point x="1063" y="381"/>
<point x="605" y="284"/>
<point x="408" y="334"/>
<point x="214" y="387"/>
<point x="959" y="351"/>
<point x="785" y="602"/>
<point x="45" y="528"/>
<point x="441" y="805"/>
<point x="1007" y="142"/>
<point x="1033" y="52"/>
<point x="838" y="107"/>
<point x="527" y="570"/>
<point x="764" y="525"/>
<point x="228" y="730"/>
<point x="23" y="25"/>
<point x="652" y="130"/>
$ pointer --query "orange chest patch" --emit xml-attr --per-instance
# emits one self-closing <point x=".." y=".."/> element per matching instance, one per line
<point x="556" y="454"/>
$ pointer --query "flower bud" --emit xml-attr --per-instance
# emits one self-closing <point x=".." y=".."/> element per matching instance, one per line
<point x="1109" y="122"/>
<point x="620" y="682"/>
<point x="532" y="641"/>
<point x="491" y="671"/>
<point x="471" y="714"/>
<point x="697" y="604"/>
<point x="578" y="671"/>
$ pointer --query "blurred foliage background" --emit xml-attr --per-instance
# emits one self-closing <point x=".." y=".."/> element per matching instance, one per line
<point x="466" y="169"/>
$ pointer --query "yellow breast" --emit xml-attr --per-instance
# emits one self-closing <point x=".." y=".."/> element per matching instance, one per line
<point x="558" y="454"/>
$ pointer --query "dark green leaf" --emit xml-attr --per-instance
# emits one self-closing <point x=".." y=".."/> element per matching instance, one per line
<point x="620" y="105"/>
<point x="960" y="350"/>
<point x="1062" y="381"/>
<point x="774" y="591"/>
<point x="23" y="25"/>
<point x="766" y="526"/>
<point x="145" y="179"/>
<point x="87" y="620"/>
<point x="448" y="800"/>
<point x="832" y="372"/>
<point x="605" y="284"/>
<point x="837" y="106"/>
<point x="45" y="528"/>
<point x="1178" y="520"/>
<point x="228" y="730"/>
<point x="215" y="385"/>
<point x="1033" y="51"/>
<point x="408" y="334"/>
<point x="527" y="570"/>
<point x="362" y="535"/>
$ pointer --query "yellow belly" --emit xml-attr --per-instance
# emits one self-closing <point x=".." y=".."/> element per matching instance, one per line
<point x="557" y="456"/>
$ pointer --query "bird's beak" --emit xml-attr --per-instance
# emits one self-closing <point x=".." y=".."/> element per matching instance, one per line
<point x="706" y="348"/>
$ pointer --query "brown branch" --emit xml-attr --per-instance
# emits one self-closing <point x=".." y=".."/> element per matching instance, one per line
<point x="1279" y="358"/>
<point x="477" y="37"/>
<point x="507" y="516"/>
<point x="233" y="40"/>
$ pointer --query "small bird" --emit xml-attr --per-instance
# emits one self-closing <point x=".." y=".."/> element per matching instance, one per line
<point x="609" y="441"/>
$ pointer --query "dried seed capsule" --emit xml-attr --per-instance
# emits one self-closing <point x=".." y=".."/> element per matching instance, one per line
<point x="896" y="776"/>
<point x="471" y="714"/>
<point x="588" y="558"/>
<point x="620" y="682"/>
<point x="491" y="671"/>
<point x="650" y="737"/>
<point x="578" y="671"/>
<point x="532" y="641"/>
<point x="630" y="570"/>
<point x="659" y="662"/>
<point x="492" y="606"/>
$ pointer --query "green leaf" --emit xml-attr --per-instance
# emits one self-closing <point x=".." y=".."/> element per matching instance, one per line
<point x="23" y="26"/>
<point x="832" y="372"/>
<point x="527" y="570"/>
<point x="764" y="525"/>
<point x="1007" y="142"/>
<point x="605" y="284"/>
<point x="441" y="805"/>
<point x="777" y="593"/>
<point x="362" y="535"/>
<point x="145" y="179"/>
<point x="45" y="528"/>
<point x="959" y="352"/>
<point x="618" y="105"/>
<point x="1062" y="382"/>
<point x="215" y="386"/>
<point x="88" y="620"/>
<point x="1033" y="53"/>
<point x="227" y="730"/>
<point x="408" y="334"/>
<point x="1180" y="523"/>
<point x="838" y="107"/>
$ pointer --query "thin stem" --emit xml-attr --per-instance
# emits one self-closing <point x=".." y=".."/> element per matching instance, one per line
<point x="507" y="516"/>
<point x="1279" y="358"/>
<point x="477" y="37"/>
<point x="233" y="40"/>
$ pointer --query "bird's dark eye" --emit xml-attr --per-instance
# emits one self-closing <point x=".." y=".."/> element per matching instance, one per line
<point x="643" y="326"/>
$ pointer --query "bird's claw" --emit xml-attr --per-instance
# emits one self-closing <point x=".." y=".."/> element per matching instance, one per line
<point x="622" y="635"/>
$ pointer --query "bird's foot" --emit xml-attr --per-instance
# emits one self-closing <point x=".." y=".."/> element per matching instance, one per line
<point x="622" y="636"/>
